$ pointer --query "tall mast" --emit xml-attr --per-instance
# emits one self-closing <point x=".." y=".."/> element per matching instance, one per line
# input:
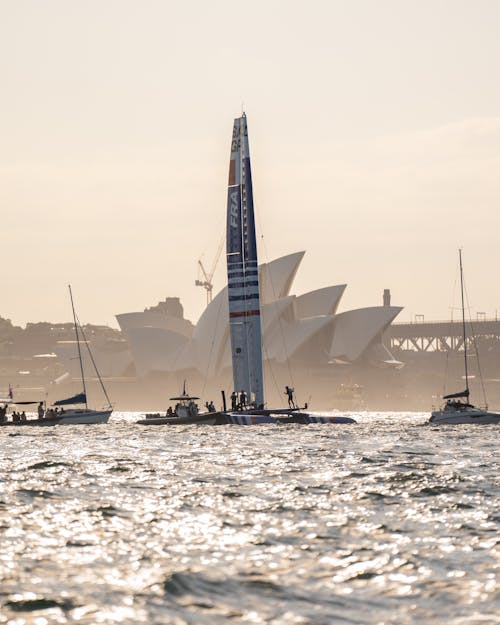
<point x="78" y="344"/>
<point x="243" y="271"/>
<point x="463" y="322"/>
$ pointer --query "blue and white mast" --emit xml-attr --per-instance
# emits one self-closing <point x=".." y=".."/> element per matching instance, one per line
<point x="242" y="271"/>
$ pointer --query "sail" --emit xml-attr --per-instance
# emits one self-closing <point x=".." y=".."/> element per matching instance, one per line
<point x="242" y="270"/>
<point x="80" y="398"/>
<point x="457" y="395"/>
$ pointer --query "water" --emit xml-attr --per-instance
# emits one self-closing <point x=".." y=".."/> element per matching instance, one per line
<point x="384" y="522"/>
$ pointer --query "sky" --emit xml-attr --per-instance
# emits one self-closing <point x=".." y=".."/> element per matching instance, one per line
<point x="374" y="132"/>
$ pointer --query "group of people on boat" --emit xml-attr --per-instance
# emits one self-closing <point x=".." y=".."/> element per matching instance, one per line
<point x="456" y="405"/>
<point x="51" y="413"/>
<point x="238" y="400"/>
<point x="17" y="417"/>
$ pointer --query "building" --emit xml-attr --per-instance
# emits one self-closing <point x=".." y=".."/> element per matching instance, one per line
<point x="303" y="335"/>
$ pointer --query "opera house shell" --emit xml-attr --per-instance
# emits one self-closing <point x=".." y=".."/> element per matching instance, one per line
<point x="300" y="333"/>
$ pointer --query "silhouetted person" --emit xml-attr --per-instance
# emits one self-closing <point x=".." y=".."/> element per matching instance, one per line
<point x="234" y="401"/>
<point x="41" y="411"/>
<point x="243" y="400"/>
<point x="289" y="394"/>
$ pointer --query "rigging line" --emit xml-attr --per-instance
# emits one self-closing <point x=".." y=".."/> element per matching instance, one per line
<point x="476" y="350"/>
<point x="463" y="322"/>
<point x="205" y="381"/>
<point x="272" y="375"/>
<point x="78" y="343"/>
<point x="453" y="345"/>
<point x="280" y="322"/>
<point x="93" y="363"/>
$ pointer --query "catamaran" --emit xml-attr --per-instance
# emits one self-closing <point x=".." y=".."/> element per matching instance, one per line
<point x="244" y="297"/>
<point x="244" y="314"/>
<point x="457" y="409"/>
<point x="58" y="414"/>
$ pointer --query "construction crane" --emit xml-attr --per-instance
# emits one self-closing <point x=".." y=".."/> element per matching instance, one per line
<point x="206" y="283"/>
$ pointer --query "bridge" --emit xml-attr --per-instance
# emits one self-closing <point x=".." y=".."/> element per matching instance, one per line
<point x="441" y="336"/>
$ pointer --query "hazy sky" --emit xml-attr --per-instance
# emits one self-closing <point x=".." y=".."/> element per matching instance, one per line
<point x="374" y="134"/>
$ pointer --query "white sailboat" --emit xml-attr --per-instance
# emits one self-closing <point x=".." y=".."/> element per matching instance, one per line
<point x="73" y="414"/>
<point x="244" y="297"/>
<point x="58" y="414"/>
<point x="458" y="409"/>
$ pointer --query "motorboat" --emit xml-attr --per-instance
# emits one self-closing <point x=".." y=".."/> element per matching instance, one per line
<point x="184" y="412"/>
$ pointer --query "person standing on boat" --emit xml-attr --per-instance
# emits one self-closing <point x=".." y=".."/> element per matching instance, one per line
<point x="289" y="393"/>
<point x="41" y="411"/>
<point x="243" y="400"/>
<point x="234" y="401"/>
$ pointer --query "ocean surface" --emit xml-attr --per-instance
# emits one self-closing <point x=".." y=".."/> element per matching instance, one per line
<point x="389" y="521"/>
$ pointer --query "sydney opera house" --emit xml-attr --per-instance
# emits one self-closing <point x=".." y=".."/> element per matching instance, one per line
<point x="306" y="342"/>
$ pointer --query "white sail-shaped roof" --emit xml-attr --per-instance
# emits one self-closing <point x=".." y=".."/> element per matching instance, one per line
<point x="323" y="301"/>
<point x="210" y="334"/>
<point x="306" y="326"/>
<point x="276" y="277"/>
<point x="276" y="312"/>
<point x="290" y="337"/>
<point x="354" y="330"/>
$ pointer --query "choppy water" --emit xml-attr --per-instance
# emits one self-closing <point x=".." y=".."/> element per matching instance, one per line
<point x="385" y="522"/>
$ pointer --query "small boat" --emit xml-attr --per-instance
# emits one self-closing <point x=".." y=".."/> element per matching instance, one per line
<point x="461" y="412"/>
<point x="457" y="409"/>
<point x="72" y="415"/>
<point x="185" y="412"/>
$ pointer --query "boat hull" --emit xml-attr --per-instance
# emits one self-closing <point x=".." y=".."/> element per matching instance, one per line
<point x="70" y="417"/>
<point x="281" y="417"/>
<point x="464" y="417"/>
<point x="207" y="418"/>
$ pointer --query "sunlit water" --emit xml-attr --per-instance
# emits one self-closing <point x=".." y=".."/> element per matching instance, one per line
<point x="386" y="522"/>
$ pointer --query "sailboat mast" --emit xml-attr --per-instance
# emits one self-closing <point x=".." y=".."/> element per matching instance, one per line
<point x="243" y="271"/>
<point x="463" y="322"/>
<point x="78" y="345"/>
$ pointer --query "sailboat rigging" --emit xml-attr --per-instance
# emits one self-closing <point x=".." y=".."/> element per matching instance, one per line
<point x="457" y="409"/>
<point x="58" y="414"/>
<point x="244" y="297"/>
<point x="247" y="399"/>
